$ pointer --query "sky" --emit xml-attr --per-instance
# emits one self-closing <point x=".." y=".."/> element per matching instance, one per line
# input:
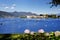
<point x="34" y="6"/>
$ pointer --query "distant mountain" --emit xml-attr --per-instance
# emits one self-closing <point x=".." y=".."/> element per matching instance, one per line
<point x="58" y="14"/>
<point x="23" y="13"/>
<point x="15" y="14"/>
<point x="3" y="14"/>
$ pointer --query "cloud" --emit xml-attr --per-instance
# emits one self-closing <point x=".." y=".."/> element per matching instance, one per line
<point x="6" y="7"/>
<point x="58" y="9"/>
<point x="12" y="7"/>
<point x="9" y="7"/>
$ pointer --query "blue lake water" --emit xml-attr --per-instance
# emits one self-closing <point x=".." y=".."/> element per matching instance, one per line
<point x="18" y="25"/>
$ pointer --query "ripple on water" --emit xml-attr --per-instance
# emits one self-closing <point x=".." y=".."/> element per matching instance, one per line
<point x="18" y="24"/>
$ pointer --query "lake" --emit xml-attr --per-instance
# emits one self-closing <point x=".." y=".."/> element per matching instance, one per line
<point x="18" y="25"/>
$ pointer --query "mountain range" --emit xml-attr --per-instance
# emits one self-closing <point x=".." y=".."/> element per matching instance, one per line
<point x="15" y="14"/>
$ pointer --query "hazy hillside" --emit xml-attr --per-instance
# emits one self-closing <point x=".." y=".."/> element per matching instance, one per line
<point x="22" y="13"/>
<point x="15" y="14"/>
<point x="3" y="14"/>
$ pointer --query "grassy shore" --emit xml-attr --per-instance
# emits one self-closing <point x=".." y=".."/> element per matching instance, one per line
<point x="31" y="36"/>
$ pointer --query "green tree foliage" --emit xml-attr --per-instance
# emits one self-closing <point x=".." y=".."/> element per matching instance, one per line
<point x="55" y="3"/>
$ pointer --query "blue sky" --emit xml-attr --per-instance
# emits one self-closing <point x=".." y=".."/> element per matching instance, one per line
<point x="34" y="6"/>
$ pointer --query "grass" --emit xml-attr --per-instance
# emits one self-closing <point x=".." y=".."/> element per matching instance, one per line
<point x="28" y="36"/>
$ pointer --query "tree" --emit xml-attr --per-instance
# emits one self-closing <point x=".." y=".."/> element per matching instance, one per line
<point x="55" y="3"/>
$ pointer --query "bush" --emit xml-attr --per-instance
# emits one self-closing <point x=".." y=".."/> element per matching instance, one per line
<point x="28" y="36"/>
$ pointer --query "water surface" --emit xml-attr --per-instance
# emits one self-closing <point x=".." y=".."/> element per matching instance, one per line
<point x="18" y="25"/>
